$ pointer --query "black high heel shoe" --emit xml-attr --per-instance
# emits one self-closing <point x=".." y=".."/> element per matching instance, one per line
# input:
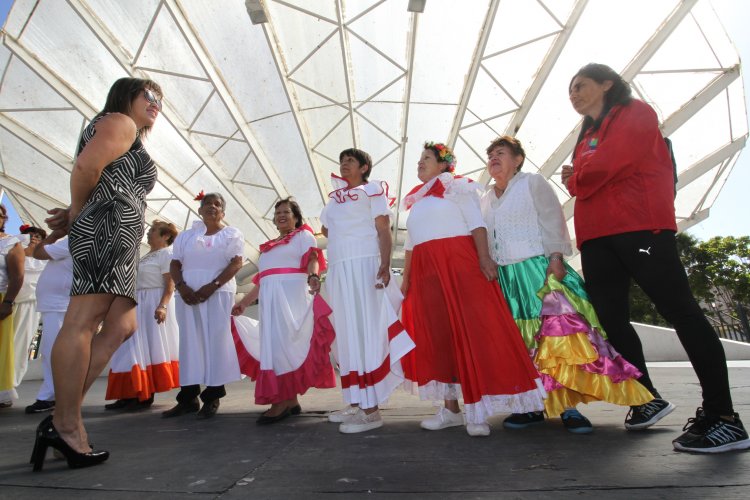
<point x="46" y="436"/>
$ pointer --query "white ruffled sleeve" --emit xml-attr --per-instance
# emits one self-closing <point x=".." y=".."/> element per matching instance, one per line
<point x="377" y="191"/>
<point x="234" y="243"/>
<point x="165" y="257"/>
<point x="468" y="203"/>
<point x="178" y="247"/>
<point x="555" y="236"/>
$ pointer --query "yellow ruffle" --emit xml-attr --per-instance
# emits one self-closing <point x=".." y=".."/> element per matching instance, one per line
<point x="561" y="357"/>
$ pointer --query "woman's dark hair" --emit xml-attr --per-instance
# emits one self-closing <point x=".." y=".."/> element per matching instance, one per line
<point x="35" y="230"/>
<point x="296" y="210"/>
<point x="218" y="196"/>
<point x="166" y="229"/>
<point x="511" y="143"/>
<point x="619" y="93"/>
<point x="123" y="92"/>
<point x="361" y="156"/>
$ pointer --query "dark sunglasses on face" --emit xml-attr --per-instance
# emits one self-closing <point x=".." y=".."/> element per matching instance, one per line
<point x="151" y="98"/>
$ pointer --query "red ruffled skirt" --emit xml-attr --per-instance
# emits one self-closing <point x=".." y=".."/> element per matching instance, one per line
<point x="467" y="344"/>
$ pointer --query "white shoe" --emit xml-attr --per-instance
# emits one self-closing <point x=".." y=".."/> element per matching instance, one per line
<point x="443" y="419"/>
<point x="341" y="415"/>
<point x="361" y="422"/>
<point x="478" y="429"/>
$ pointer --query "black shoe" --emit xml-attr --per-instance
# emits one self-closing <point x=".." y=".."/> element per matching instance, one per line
<point x="646" y="415"/>
<point x="209" y="409"/>
<point x="120" y="404"/>
<point x="40" y="406"/>
<point x="575" y="422"/>
<point x="181" y="409"/>
<point x="523" y="420"/>
<point x="142" y="405"/>
<point x="266" y="420"/>
<point x="295" y="410"/>
<point x="711" y="434"/>
<point x="46" y="436"/>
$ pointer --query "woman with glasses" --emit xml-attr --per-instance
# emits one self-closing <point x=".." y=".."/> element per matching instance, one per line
<point x="109" y="182"/>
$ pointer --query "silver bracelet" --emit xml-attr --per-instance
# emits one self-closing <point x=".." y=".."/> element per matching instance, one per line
<point x="555" y="257"/>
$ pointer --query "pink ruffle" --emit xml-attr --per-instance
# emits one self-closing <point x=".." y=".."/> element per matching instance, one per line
<point x="315" y="371"/>
<point x="321" y="259"/>
<point x="269" y="245"/>
<point x="609" y="362"/>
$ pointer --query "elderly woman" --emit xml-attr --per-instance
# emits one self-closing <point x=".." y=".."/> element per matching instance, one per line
<point x="11" y="280"/>
<point x="467" y="343"/>
<point x="622" y="178"/>
<point x="52" y="298"/>
<point x="370" y="340"/>
<point x="206" y="257"/>
<point x="528" y="238"/>
<point x="26" y="317"/>
<point x="111" y="177"/>
<point x="148" y="362"/>
<point x="295" y="332"/>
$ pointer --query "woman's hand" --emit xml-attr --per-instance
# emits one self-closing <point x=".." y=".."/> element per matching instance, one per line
<point x="188" y="295"/>
<point x="5" y="310"/>
<point x="59" y="219"/>
<point x="160" y="315"/>
<point x="404" y="286"/>
<point x="205" y="292"/>
<point x="313" y="282"/>
<point x="238" y="309"/>
<point x="488" y="267"/>
<point x="384" y="276"/>
<point x="567" y="173"/>
<point x="557" y="268"/>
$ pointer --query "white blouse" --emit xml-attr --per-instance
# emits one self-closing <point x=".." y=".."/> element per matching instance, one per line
<point x="152" y="267"/>
<point x="526" y="221"/>
<point x="456" y="213"/>
<point x="6" y="245"/>
<point x="204" y="257"/>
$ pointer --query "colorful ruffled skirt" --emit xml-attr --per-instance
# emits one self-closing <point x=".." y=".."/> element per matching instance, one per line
<point x="565" y="340"/>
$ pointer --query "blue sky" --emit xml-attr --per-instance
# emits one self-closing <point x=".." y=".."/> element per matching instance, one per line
<point x="725" y="218"/>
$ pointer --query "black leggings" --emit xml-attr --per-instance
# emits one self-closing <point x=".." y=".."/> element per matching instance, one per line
<point x="651" y="259"/>
<point x="190" y="392"/>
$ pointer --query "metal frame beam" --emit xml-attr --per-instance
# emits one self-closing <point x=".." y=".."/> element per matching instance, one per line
<point x="705" y="164"/>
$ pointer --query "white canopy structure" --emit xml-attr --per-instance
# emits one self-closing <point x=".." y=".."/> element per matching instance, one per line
<point x="261" y="111"/>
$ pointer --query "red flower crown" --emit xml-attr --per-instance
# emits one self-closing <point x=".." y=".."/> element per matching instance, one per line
<point x="445" y="154"/>
<point x="24" y="228"/>
<point x="200" y="196"/>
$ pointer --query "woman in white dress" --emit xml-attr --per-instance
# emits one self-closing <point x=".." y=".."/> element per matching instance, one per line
<point x="370" y="340"/>
<point x="11" y="279"/>
<point x="206" y="257"/>
<point x="294" y="329"/>
<point x="52" y="299"/>
<point x="148" y="361"/>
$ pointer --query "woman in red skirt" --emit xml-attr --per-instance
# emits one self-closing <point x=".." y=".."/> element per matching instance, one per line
<point x="468" y="345"/>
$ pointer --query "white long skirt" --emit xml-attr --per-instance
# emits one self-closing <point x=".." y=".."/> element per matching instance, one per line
<point x="148" y="362"/>
<point x="370" y="340"/>
<point x="51" y="324"/>
<point x="207" y="352"/>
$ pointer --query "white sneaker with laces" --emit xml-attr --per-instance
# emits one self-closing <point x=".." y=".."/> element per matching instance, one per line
<point x="478" y="430"/>
<point x="341" y="415"/>
<point x="361" y="422"/>
<point x="443" y="419"/>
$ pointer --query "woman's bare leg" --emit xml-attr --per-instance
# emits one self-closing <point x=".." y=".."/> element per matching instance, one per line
<point x="71" y="357"/>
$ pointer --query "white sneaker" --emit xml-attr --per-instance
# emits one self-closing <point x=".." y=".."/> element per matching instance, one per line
<point x="361" y="422"/>
<point x="341" y="415"/>
<point x="443" y="419"/>
<point x="478" y="429"/>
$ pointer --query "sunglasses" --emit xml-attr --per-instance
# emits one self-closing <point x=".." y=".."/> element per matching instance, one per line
<point x="151" y="98"/>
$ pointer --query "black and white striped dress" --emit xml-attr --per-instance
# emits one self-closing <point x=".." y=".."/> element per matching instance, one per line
<point x="105" y="238"/>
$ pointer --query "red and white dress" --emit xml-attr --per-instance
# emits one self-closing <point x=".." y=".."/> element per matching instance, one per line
<point x="287" y="350"/>
<point x="467" y="342"/>
<point x="370" y="340"/>
<point x="148" y="362"/>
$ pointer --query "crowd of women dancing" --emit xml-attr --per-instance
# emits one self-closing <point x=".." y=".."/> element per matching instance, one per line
<point x="487" y="312"/>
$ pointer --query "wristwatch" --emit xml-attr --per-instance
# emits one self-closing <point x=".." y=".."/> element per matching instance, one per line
<point x="217" y="283"/>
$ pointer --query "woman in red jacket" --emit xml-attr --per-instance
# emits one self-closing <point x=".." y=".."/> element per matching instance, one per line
<point x="622" y="178"/>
